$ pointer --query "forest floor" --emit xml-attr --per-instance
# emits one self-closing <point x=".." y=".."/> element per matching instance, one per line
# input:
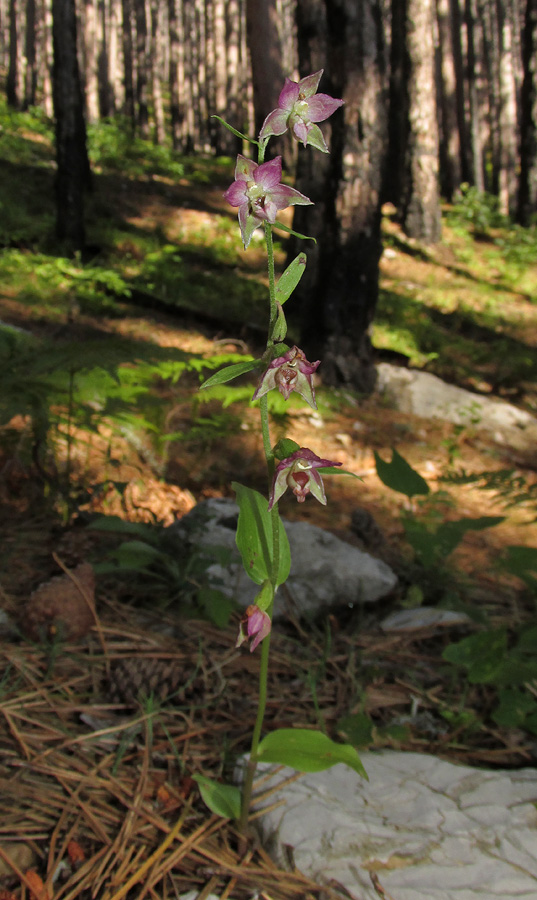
<point x="463" y="310"/>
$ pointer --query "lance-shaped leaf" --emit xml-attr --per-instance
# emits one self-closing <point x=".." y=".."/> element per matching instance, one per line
<point x="331" y="470"/>
<point x="228" y="373"/>
<point x="222" y="799"/>
<point x="303" y="237"/>
<point x="290" y="278"/>
<point x="254" y="537"/>
<point x="400" y="476"/>
<point x="307" y="751"/>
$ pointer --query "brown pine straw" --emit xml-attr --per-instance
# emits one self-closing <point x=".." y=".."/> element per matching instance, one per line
<point x="117" y="780"/>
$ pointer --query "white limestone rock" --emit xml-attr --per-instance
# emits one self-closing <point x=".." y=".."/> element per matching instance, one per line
<point x="429" y="829"/>
<point x="425" y="395"/>
<point x="325" y="571"/>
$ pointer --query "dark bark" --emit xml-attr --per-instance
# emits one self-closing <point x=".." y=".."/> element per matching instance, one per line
<point x="12" y="82"/>
<point x="73" y="174"/>
<point x="527" y="190"/>
<point x="398" y="121"/>
<point x="461" y="92"/>
<point x="477" y="176"/>
<point x="265" y="52"/>
<point x="142" y="69"/>
<point x="128" y="53"/>
<point x="450" y="147"/>
<point x="339" y="291"/>
<point x="30" y="79"/>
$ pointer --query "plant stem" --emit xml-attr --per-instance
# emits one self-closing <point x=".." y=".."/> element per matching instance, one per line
<point x="252" y="762"/>
<point x="275" y="520"/>
<point x="272" y="283"/>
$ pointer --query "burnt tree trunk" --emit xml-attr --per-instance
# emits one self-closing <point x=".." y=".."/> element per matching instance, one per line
<point x="339" y="291"/>
<point x="527" y="189"/>
<point x="73" y="174"/>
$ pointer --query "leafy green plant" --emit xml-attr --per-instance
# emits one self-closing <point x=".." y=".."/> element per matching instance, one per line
<point x="112" y="146"/>
<point x="432" y="537"/>
<point x="155" y="563"/>
<point x="477" y="209"/>
<point x="508" y="663"/>
<point x="72" y="389"/>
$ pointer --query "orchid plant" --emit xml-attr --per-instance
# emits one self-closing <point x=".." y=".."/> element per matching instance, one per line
<point x="259" y="194"/>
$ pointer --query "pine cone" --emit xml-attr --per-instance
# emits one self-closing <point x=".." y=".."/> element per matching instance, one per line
<point x="135" y="678"/>
<point x="58" y="607"/>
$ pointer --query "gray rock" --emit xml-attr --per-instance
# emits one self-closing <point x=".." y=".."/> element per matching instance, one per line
<point x="425" y="395"/>
<point x="325" y="571"/>
<point x="429" y="829"/>
<point x="423" y="617"/>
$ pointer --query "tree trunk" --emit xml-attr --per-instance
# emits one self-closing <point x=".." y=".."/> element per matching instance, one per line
<point x="30" y="79"/>
<point x="340" y="291"/>
<point x="477" y="172"/>
<point x="450" y="145"/>
<point x="176" y="73"/>
<point x="461" y="92"/>
<point x="398" y="122"/>
<point x="142" y="69"/>
<point x="15" y="72"/>
<point x="73" y="173"/>
<point x="508" y="112"/>
<point x="265" y="55"/>
<point x="527" y="190"/>
<point x="420" y="211"/>
<point x="90" y="55"/>
<point x="128" y="59"/>
<point x="156" y="55"/>
<point x="46" y="56"/>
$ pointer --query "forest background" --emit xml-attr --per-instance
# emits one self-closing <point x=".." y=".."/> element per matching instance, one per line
<point x="438" y="94"/>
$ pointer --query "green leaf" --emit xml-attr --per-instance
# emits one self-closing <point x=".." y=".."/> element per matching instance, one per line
<point x="449" y="534"/>
<point x="515" y="706"/>
<point x="285" y="447"/>
<point x="228" y="373"/>
<point x="120" y="526"/>
<point x="307" y="751"/>
<point x="280" y="326"/>
<point x="222" y="799"/>
<point x="234" y="131"/>
<point x="289" y="279"/>
<point x="265" y="598"/>
<point x="335" y="470"/>
<point x="254" y="537"/>
<point x="400" y="476"/>
<point x="357" y="729"/>
<point x="484" y="656"/>
<point x="303" y="237"/>
<point x="216" y="605"/>
<point x="527" y="640"/>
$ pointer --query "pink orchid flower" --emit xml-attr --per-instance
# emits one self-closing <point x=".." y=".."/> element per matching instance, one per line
<point x="290" y="372"/>
<point x="299" y="107"/>
<point x="299" y="472"/>
<point x="255" y="624"/>
<point x="258" y="193"/>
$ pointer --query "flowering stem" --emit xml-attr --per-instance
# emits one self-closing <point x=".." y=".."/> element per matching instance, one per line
<point x="275" y="519"/>
<point x="272" y="283"/>
<point x="252" y="762"/>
